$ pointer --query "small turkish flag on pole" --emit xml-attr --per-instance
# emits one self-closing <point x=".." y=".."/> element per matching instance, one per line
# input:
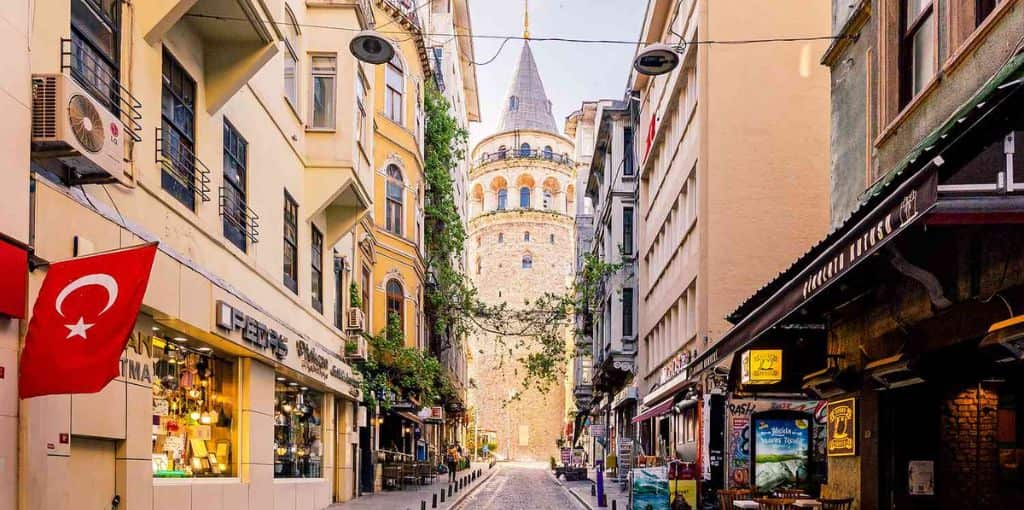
<point x="81" y="321"/>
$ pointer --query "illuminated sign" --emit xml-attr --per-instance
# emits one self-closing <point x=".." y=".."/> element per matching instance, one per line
<point x="761" y="366"/>
<point x="842" y="427"/>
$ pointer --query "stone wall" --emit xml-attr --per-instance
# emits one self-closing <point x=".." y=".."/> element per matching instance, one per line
<point x="968" y="460"/>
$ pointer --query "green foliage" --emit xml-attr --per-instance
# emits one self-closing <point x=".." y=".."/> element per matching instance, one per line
<point x="354" y="298"/>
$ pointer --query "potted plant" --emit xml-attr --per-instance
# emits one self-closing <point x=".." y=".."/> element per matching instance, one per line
<point x="355" y="300"/>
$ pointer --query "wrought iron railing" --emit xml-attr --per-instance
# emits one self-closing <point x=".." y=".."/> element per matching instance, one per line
<point x="238" y="215"/>
<point x="93" y="74"/>
<point x="536" y="154"/>
<point x="406" y="8"/>
<point x="182" y="165"/>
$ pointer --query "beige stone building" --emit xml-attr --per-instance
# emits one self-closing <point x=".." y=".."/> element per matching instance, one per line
<point x="521" y="207"/>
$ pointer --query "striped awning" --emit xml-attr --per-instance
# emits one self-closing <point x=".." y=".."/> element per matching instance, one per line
<point x="654" y="412"/>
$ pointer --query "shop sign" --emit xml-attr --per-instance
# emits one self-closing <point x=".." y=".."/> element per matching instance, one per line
<point x="674" y="367"/>
<point x="137" y="360"/>
<point x="842" y="427"/>
<point x="254" y="332"/>
<point x="598" y="430"/>
<point x="310" y="360"/>
<point x="761" y="366"/>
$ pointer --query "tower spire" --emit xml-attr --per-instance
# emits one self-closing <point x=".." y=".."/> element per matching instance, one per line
<point x="526" y="19"/>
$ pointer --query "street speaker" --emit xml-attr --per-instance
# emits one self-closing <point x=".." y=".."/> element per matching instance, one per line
<point x="369" y="46"/>
<point x="656" y="59"/>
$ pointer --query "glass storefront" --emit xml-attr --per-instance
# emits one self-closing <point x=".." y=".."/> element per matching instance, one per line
<point x="194" y="395"/>
<point x="298" y="431"/>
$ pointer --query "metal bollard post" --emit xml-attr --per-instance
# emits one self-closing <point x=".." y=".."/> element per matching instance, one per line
<point x="614" y="505"/>
<point x="442" y="495"/>
<point x="433" y="504"/>
<point x="449" y="491"/>
<point x="592" y="490"/>
<point x="423" y="505"/>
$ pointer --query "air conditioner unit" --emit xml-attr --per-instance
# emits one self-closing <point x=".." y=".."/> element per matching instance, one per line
<point x="71" y="127"/>
<point x="355" y="320"/>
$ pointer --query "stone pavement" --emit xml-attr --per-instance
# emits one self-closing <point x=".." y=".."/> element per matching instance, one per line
<point x="520" y="486"/>
<point x="614" y="495"/>
<point x="412" y="497"/>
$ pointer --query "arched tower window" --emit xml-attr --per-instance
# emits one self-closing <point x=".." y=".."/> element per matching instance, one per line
<point x="548" y="153"/>
<point x="502" y="152"/>
<point x="524" y="150"/>
<point x="513" y="103"/>
<point x="526" y="236"/>
<point x="551" y="238"/>
<point x="527" y="261"/>
<point x="396" y="302"/>
<point x="502" y="199"/>
<point x="501" y="237"/>
<point x="393" y="204"/>
<point x="524" y="197"/>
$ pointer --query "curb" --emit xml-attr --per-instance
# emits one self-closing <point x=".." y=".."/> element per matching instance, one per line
<point x="573" y="493"/>
<point x="466" y="493"/>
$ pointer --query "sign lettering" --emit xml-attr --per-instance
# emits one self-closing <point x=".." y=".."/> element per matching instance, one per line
<point x="761" y="366"/>
<point x="842" y="427"/>
<point x="254" y="332"/>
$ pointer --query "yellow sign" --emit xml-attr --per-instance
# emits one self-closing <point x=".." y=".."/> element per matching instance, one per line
<point x="761" y="366"/>
<point x="842" y="427"/>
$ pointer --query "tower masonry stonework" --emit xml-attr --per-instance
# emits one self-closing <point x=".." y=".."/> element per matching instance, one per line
<point x="521" y="209"/>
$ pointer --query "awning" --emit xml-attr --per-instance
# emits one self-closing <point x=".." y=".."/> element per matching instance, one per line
<point x="671" y="387"/>
<point x="1005" y="340"/>
<point x="654" y="412"/>
<point x="409" y="416"/>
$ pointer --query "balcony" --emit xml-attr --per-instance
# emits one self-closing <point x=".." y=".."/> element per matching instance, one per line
<point x="518" y="154"/>
<point x="235" y="39"/>
<point x="404" y="10"/>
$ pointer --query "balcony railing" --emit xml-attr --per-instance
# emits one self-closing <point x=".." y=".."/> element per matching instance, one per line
<point x="535" y="154"/>
<point x="95" y="75"/>
<point x="237" y="215"/>
<point x="405" y="8"/>
<point x="182" y="165"/>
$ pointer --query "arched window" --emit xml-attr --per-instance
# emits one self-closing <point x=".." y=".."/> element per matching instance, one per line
<point x="526" y="236"/>
<point x="502" y="199"/>
<point x="548" y="153"/>
<point x="501" y="237"/>
<point x="502" y="152"/>
<point x="551" y="238"/>
<point x="524" y="197"/>
<point x="524" y="150"/>
<point x="547" y="199"/>
<point x="396" y="302"/>
<point x="394" y="80"/>
<point x="513" y="103"/>
<point x="527" y="261"/>
<point x="393" y="205"/>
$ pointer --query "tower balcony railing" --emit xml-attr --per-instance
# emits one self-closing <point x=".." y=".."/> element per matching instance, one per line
<point x="534" y="154"/>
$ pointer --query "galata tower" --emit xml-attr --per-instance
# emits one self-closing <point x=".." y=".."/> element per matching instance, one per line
<point x="520" y="246"/>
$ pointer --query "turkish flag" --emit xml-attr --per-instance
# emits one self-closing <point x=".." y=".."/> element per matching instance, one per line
<point x="81" y="322"/>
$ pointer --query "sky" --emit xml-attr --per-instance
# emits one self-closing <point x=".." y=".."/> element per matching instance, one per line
<point x="572" y="72"/>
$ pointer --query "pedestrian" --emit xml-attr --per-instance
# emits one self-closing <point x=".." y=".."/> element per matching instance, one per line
<point x="450" y="459"/>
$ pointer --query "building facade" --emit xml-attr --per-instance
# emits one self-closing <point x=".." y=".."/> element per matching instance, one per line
<point x="234" y="143"/>
<point x="521" y="205"/>
<point x="731" y="186"/>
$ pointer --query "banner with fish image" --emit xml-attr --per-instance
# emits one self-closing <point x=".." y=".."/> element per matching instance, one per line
<point x="650" y="488"/>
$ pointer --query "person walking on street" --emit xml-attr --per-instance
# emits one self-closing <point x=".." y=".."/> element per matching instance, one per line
<point x="451" y="461"/>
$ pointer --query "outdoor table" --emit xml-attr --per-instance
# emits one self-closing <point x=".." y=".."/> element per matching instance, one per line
<point x="745" y="503"/>
<point x="807" y="503"/>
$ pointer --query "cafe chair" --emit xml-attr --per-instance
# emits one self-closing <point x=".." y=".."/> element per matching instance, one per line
<point x="775" y="503"/>
<point x="836" y="504"/>
<point x="726" y="497"/>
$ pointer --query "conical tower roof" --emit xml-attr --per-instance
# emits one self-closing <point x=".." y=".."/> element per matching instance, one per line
<point x="526" y="103"/>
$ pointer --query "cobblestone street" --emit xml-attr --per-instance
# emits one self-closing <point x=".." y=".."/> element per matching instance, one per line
<point x="519" y="486"/>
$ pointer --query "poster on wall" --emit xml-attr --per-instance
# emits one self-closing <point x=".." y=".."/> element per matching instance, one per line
<point x="782" y="450"/>
<point x="650" y="488"/>
<point x="842" y="427"/>
<point x="921" y="478"/>
<point x="739" y="437"/>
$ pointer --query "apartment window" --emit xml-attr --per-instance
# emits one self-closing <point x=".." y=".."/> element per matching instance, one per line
<point x="393" y="203"/>
<point x="524" y="150"/>
<point x="982" y="9"/>
<point x="627" y="311"/>
<point x="396" y="300"/>
<point x="95" y="48"/>
<point x="627" y="230"/>
<point x="394" y="86"/>
<point x="291" y="243"/>
<point x="177" y="132"/>
<point x="917" y="47"/>
<point x="365" y="290"/>
<point x="361" y="90"/>
<point x="340" y="288"/>
<point x="235" y="203"/>
<point x="527" y="261"/>
<point x="291" y="60"/>
<point x="316" y="264"/>
<point x="627" y="151"/>
<point x="323" y="74"/>
<point x="524" y="197"/>
<point x="502" y="199"/>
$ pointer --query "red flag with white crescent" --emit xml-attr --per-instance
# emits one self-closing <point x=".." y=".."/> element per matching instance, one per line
<point x="81" y="321"/>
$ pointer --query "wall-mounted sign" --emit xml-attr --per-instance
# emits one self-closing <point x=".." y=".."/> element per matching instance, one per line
<point x="842" y="427"/>
<point x="312" y="361"/>
<point x="254" y="332"/>
<point x="674" y="367"/>
<point x="761" y="366"/>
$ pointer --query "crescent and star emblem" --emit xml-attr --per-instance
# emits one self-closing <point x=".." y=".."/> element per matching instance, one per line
<point x="100" y="279"/>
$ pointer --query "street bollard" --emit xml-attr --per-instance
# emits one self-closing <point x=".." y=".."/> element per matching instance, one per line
<point x="442" y="495"/>
<point x="449" y="491"/>
<point x="433" y="504"/>
<point x="614" y="505"/>
<point x="601" y="501"/>
<point x="593" y="491"/>
<point x="423" y="505"/>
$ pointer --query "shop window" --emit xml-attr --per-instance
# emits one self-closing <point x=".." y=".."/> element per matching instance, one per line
<point x="194" y="395"/>
<point x="298" y="431"/>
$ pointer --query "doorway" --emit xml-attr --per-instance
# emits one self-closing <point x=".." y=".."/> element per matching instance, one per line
<point x="92" y="479"/>
<point x="908" y="440"/>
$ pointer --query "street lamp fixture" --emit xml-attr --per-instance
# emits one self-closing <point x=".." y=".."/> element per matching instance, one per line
<point x="371" y="47"/>
<point x="657" y="59"/>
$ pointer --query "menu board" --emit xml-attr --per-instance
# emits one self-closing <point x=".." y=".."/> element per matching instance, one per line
<point x="782" y="448"/>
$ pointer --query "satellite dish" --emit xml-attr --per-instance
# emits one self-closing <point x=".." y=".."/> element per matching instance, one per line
<point x="371" y="47"/>
<point x="656" y="59"/>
